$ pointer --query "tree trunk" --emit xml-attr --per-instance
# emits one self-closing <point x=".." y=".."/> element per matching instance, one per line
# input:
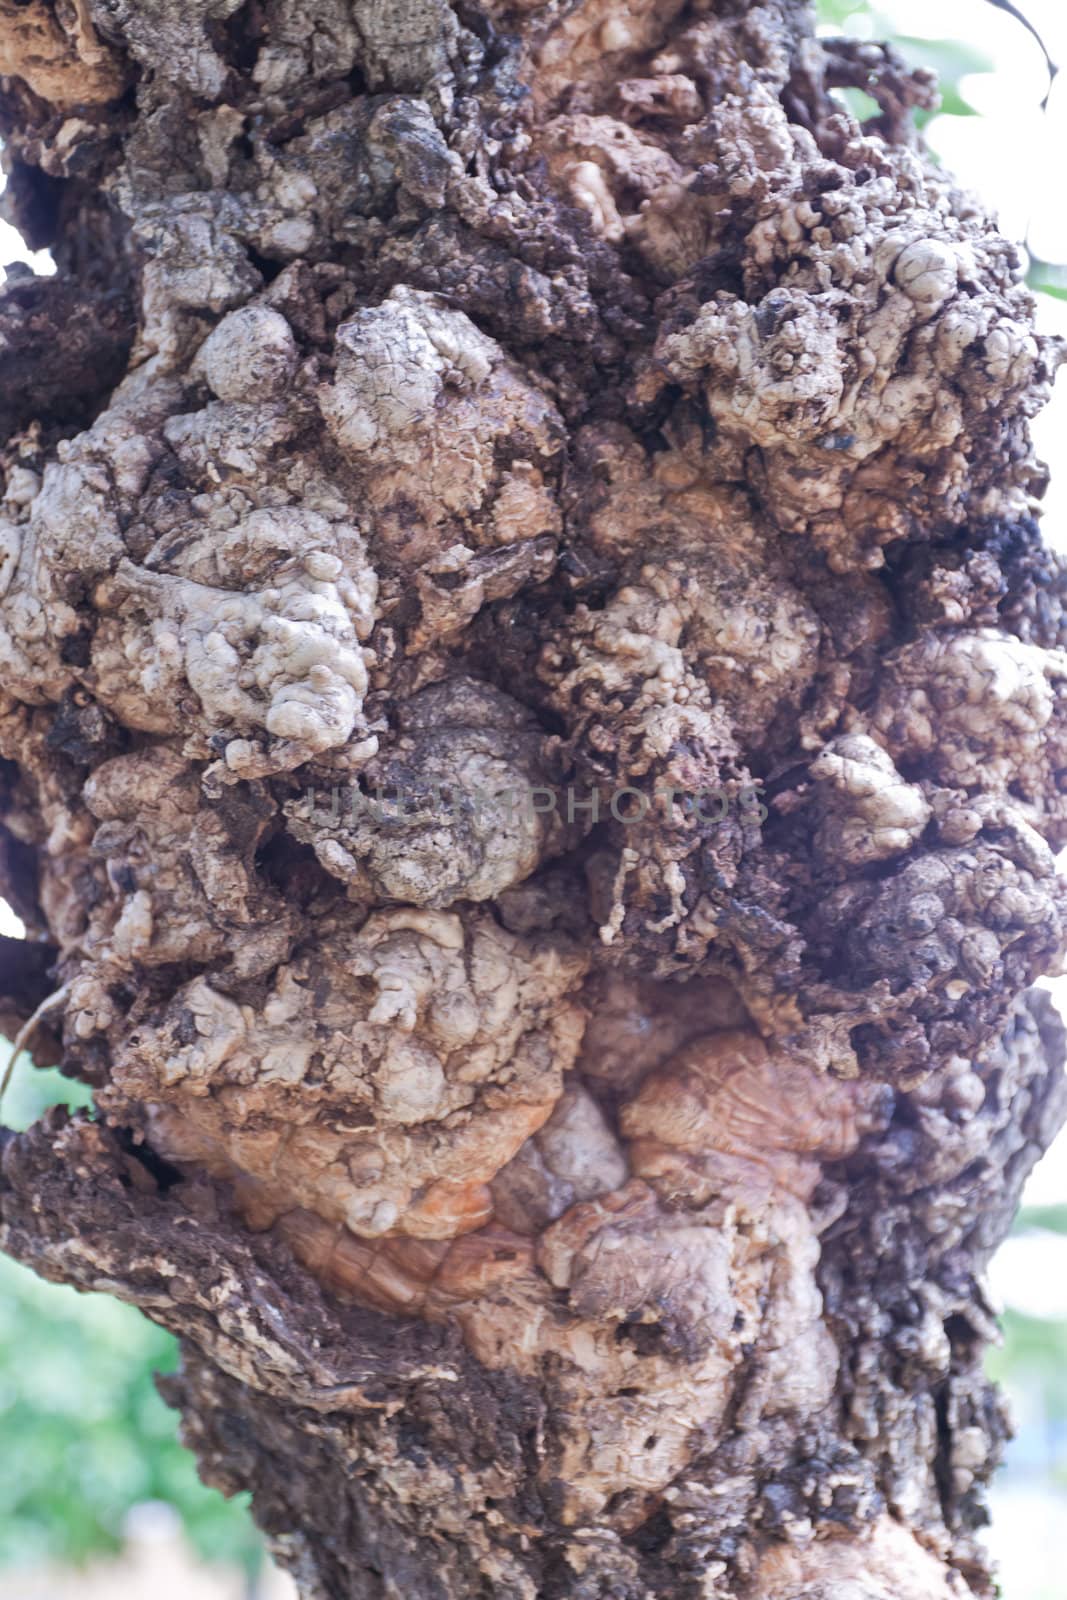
<point x="532" y="705"/>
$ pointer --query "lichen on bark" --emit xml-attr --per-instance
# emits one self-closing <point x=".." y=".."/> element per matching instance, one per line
<point x="571" y="1174"/>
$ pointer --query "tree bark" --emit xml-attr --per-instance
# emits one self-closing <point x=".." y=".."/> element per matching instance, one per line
<point x="533" y="733"/>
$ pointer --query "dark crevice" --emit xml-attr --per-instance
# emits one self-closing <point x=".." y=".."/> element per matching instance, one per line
<point x="239" y="37"/>
<point x="164" y="1172"/>
<point x="267" y="269"/>
<point x="32" y="203"/>
<point x="63" y="348"/>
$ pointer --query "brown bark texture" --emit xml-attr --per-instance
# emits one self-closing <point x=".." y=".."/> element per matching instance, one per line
<point x="533" y="733"/>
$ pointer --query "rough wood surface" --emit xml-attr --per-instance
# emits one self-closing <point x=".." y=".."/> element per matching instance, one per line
<point x="533" y="739"/>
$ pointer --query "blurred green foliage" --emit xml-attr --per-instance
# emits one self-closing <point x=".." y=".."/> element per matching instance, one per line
<point x="1034" y="1355"/>
<point x="1034" y="1352"/>
<point x="1053" y="1219"/>
<point x="951" y="59"/>
<point x="86" y="1434"/>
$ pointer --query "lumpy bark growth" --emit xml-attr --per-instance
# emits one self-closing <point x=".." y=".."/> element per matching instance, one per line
<point x="533" y="742"/>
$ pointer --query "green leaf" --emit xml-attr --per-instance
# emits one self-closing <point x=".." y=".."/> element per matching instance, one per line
<point x="859" y="102"/>
<point x="952" y="104"/>
<point x="835" y="13"/>
<point x="1052" y="1219"/>
<point x="951" y="59"/>
<point x="33" y="1089"/>
<point x="1048" y="277"/>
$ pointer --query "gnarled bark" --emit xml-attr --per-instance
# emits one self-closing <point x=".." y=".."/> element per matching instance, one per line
<point x="533" y="731"/>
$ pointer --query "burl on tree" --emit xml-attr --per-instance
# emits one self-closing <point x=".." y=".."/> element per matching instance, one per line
<point x="574" y="1176"/>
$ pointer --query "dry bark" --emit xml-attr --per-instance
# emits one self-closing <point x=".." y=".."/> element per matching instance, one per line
<point x="557" y="1192"/>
